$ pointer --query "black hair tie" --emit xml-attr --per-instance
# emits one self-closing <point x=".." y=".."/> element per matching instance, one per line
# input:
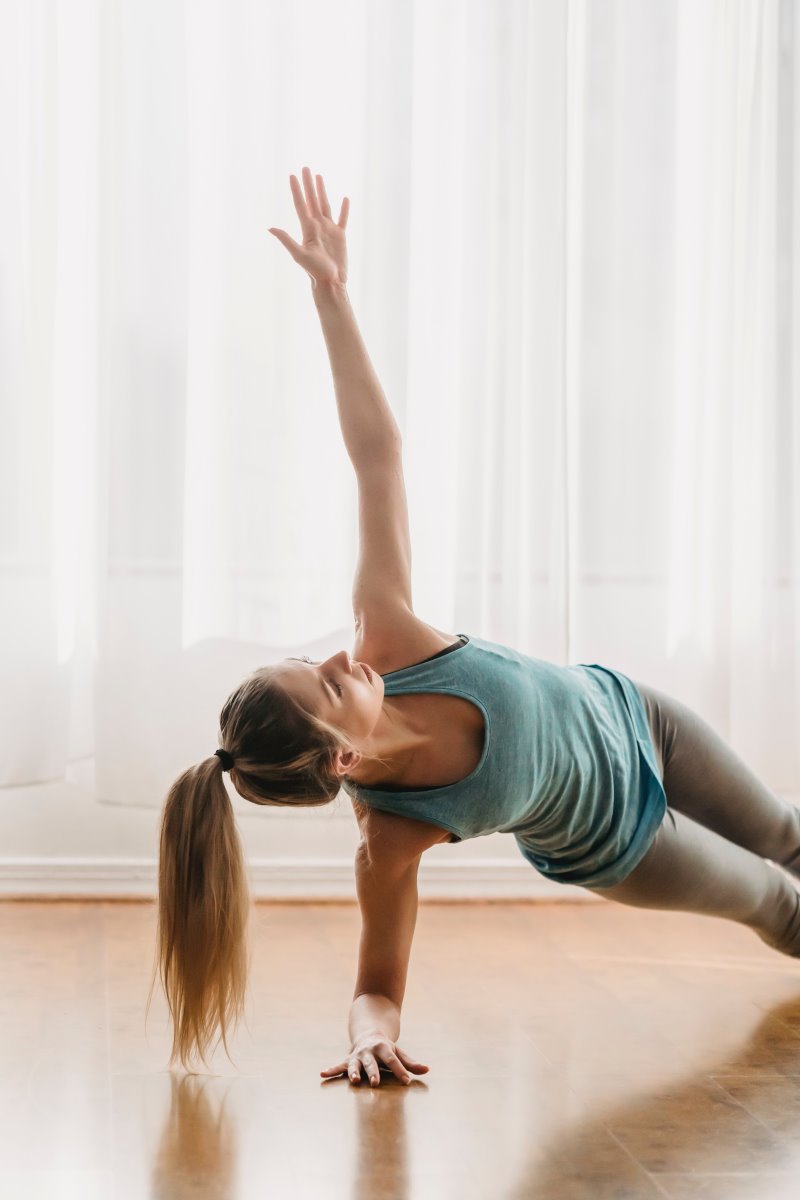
<point x="225" y="758"/>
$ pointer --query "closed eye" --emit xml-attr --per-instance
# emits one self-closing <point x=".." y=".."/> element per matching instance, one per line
<point x="331" y="682"/>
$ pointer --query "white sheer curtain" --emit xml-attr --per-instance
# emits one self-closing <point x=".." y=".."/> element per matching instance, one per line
<point x="575" y="261"/>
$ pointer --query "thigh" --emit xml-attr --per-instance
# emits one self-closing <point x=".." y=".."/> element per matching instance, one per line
<point x="692" y="869"/>
<point x="689" y="868"/>
<point x="707" y="781"/>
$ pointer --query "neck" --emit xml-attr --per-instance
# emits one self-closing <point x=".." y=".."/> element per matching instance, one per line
<point x="397" y="740"/>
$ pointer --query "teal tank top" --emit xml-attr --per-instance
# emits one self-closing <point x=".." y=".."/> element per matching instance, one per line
<point x="568" y="763"/>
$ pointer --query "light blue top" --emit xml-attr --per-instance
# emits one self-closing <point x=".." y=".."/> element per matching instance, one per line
<point x="568" y="764"/>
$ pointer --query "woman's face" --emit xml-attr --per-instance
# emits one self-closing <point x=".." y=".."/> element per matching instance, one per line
<point x="338" y="690"/>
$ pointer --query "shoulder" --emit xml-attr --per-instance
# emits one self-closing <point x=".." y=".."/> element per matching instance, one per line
<point x="393" y="636"/>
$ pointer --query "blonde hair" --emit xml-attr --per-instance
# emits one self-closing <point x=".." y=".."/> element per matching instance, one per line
<point x="283" y="755"/>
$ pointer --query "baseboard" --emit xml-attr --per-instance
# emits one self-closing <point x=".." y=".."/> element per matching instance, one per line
<point x="298" y="880"/>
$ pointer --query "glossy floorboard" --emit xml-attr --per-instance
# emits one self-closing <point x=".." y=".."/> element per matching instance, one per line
<point x="577" y="1052"/>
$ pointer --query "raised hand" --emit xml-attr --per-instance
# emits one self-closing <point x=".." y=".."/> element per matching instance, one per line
<point x="323" y="253"/>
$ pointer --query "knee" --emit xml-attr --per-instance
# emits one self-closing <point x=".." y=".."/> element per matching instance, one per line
<point x="790" y="860"/>
<point x="779" y="927"/>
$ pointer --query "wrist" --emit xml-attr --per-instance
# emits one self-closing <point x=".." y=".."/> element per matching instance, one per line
<point x="328" y="293"/>
<point x="371" y="1013"/>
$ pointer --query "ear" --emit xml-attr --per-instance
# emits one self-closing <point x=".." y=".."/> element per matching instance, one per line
<point x="345" y="761"/>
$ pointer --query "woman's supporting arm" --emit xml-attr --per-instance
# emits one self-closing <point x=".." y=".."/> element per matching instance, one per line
<point x="368" y="424"/>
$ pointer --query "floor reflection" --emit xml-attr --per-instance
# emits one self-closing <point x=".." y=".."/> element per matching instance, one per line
<point x="728" y="1131"/>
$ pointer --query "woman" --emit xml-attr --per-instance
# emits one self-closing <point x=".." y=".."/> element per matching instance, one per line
<point x="604" y="782"/>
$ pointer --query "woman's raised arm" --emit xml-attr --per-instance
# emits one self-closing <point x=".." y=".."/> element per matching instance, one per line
<point x="368" y="424"/>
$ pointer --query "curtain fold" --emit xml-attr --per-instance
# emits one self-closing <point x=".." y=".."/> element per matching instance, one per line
<point x="575" y="263"/>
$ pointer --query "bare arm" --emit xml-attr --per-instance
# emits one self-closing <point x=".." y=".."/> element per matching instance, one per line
<point x="382" y="585"/>
<point x="368" y="424"/>
<point x="369" y="428"/>
<point x="387" y="896"/>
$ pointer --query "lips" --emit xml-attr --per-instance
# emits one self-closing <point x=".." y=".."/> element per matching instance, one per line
<point x="366" y="671"/>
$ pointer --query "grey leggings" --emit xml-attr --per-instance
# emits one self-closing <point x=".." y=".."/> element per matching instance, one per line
<point x="721" y="824"/>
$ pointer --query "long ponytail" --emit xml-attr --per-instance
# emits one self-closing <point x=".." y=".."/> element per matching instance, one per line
<point x="203" y="909"/>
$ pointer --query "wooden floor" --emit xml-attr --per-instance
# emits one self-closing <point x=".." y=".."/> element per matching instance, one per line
<point x="576" y="1051"/>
